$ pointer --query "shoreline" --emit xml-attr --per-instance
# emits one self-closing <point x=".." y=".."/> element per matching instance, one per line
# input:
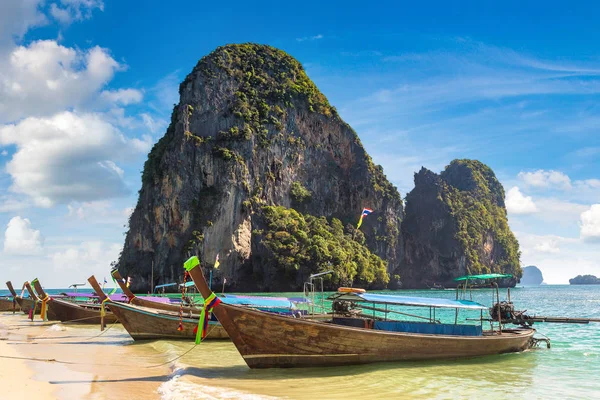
<point x="88" y="364"/>
<point x="17" y="374"/>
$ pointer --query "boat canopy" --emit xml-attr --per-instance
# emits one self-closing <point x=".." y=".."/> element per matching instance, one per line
<point x="408" y="300"/>
<point x="256" y="301"/>
<point x="483" y="276"/>
<point x="164" y="285"/>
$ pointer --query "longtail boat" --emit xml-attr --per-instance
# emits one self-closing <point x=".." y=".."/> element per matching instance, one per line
<point x="27" y="304"/>
<point x="266" y="340"/>
<point x="9" y="303"/>
<point x="144" y="323"/>
<point x="142" y="302"/>
<point x="67" y="311"/>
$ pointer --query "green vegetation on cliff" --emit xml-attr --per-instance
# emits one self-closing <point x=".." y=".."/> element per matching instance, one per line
<point x="476" y="200"/>
<point x="270" y="81"/>
<point x="306" y="242"/>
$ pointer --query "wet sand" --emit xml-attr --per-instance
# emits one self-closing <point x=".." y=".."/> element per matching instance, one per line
<point x="87" y="365"/>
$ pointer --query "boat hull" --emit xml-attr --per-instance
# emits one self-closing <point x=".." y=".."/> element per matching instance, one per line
<point x="151" y="324"/>
<point x="270" y="341"/>
<point x="9" y="305"/>
<point x="66" y="311"/>
<point x="26" y="304"/>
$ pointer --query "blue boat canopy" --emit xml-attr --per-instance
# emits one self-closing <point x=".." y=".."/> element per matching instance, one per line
<point x="483" y="276"/>
<point x="164" y="285"/>
<point x="255" y="301"/>
<point x="408" y="300"/>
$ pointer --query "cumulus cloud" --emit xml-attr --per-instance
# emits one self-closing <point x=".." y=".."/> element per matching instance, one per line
<point x="590" y="224"/>
<point x="74" y="10"/>
<point x="547" y="246"/>
<point x="67" y="157"/>
<point x="122" y="96"/>
<point x="546" y="179"/>
<point x="96" y="255"/>
<point x="45" y="77"/>
<point x="21" y="239"/>
<point x="17" y="16"/>
<point x="517" y="203"/>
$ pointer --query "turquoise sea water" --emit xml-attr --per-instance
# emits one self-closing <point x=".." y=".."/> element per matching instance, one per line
<point x="569" y="369"/>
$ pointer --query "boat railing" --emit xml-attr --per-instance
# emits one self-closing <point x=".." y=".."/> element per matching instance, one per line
<point x="315" y="282"/>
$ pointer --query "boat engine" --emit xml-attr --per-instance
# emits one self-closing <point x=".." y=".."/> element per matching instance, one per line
<point x="341" y="307"/>
<point x="507" y="311"/>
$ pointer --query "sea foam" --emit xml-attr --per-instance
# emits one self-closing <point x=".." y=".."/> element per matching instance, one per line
<point x="176" y="388"/>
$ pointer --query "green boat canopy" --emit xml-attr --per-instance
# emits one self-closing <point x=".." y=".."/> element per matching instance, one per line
<point x="483" y="276"/>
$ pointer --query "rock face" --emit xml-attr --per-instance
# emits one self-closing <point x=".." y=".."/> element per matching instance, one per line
<point x="584" y="280"/>
<point x="251" y="130"/>
<point x="532" y="276"/>
<point x="258" y="167"/>
<point x="456" y="224"/>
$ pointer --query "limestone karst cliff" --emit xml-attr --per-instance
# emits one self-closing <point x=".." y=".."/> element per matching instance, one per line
<point x="252" y="130"/>
<point x="456" y="224"/>
<point x="258" y="167"/>
<point x="532" y="276"/>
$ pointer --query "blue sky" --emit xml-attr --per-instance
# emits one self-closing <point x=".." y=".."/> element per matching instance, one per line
<point x="86" y="88"/>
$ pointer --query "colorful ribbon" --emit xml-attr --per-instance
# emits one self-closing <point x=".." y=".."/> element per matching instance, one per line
<point x="44" y="312"/>
<point x="115" y="287"/>
<point x="102" y="308"/>
<point x="209" y="303"/>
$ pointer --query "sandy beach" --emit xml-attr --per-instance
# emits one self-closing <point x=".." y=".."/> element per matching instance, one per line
<point x="86" y="364"/>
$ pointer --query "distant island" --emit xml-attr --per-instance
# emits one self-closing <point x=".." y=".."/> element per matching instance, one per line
<point x="532" y="276"/>
<point x="585" y="280"/>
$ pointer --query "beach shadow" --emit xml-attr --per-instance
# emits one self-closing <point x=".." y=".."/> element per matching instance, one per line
<point x="450" y="367"/>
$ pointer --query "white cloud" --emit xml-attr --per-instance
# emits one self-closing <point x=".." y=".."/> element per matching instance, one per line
<point x="10" y="204"/>
<point x="517" y="203"/>
<point x="17" y="16"/>
<point x="546" y="179"/>
<point x="92" y="255"/>
<point x="547" y="246"/>
<point x="45" y="77"/>
<point x="66" y="157"/>
<point x="551" y="253"/>
<point x="305" y="38"/>
<point x="590" y="224"/>
<point x="154" y="125"/>
<point x="21" y="239"/>
<point x="122" y="96"/>
<point x="74" y="10"/>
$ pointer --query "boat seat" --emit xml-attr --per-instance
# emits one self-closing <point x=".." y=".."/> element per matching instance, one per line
<point x="429" y="328"/>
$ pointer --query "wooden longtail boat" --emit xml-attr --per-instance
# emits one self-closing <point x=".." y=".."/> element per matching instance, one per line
<point x="145" y="323"/>
<point x="28" y="303"/>
<point x="10" y="303"/>
<point x="266" y="340"/>
<point x="66" y="311"/>
<point x="138" y="301"/>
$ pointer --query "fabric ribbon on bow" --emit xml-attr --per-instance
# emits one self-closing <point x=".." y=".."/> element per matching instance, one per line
<point x="209" y="303"/>
<point x="103" y="308"/>
<point x="44" y="311"/>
